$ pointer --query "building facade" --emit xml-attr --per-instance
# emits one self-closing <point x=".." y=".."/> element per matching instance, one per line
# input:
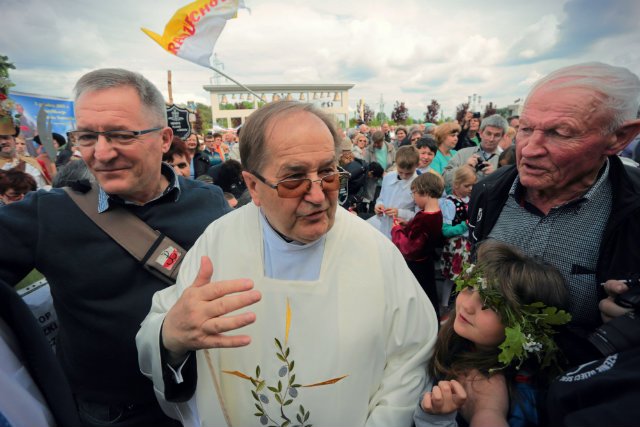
<point x="225" y="100"/>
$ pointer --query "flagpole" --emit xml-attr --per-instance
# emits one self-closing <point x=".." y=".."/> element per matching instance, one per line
<point x="237" y="82"/>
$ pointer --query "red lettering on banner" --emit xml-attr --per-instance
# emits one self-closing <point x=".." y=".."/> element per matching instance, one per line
<point x="189" y="27"/>
<point x="203" y="11"/>
<point x="194" y="16"/>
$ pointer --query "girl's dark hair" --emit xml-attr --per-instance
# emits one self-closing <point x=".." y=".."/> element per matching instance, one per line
<point x="521" y="280"/>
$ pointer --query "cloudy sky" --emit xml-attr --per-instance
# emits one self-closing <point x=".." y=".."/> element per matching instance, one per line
<point x="404" y="50"/>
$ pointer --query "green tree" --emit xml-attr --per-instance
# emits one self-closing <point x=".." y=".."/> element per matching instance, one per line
<point x="204" y="111"/>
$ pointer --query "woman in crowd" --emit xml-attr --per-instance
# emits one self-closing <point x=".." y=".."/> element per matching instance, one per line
<point x="447" y="138"/>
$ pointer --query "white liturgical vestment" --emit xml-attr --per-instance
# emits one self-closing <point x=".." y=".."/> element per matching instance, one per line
<point x="349" y="349"/>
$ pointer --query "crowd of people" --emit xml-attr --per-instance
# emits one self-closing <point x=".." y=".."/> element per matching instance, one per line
<point x="307" y="290"/>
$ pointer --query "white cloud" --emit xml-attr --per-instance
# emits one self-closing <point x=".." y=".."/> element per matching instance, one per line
<point x="537" y="38"/>
<point x="407" y="50"/>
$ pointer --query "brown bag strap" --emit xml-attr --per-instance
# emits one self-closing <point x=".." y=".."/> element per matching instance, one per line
<point x="160" y="255"/>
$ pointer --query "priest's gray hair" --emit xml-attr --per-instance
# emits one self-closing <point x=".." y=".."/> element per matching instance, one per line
<point x="253" y="137"/>
<point x="107" y="78"/>
<point x="617" y="88"/>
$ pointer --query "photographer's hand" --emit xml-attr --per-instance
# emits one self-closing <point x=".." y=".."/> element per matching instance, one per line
<point x="488" y="168"/>
<point x="473" y="161"/>
<point x="608" y="307"/>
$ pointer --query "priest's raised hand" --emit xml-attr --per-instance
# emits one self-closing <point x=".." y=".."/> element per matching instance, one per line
<point x="201" y="316"/>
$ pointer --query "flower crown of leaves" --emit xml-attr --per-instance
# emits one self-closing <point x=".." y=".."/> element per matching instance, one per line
<point x="529" y="328"/>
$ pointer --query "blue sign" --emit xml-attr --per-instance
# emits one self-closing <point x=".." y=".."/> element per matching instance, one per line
<point x="59" y="111"/>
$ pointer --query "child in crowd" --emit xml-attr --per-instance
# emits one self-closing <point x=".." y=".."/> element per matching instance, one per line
<point x="395" y="195"/>
<point x="499" y="336"/>
<point x="427" y="149"/>
<point x="455" y="229"/>
<point x="14" y="184"/>
<point x="418" y="238"/>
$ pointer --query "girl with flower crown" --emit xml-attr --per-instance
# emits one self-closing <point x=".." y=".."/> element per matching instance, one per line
<point x="499" y="336"/>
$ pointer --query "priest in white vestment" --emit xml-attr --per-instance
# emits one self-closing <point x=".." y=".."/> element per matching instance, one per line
<point x="334" y="329"/>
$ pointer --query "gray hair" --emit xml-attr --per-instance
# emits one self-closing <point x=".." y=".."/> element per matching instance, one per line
<point x="618" y="87"/>
<point x="253" y="137"/>
<point x="495" y="121"/>
<point x="107" y="78"/>
<point x="75" y="170"/>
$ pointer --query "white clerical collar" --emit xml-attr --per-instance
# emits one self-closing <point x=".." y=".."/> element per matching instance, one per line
<point x="290" y="260"/>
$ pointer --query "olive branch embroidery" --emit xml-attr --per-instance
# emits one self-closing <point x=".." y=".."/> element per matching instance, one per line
<point x="283" y="395"/>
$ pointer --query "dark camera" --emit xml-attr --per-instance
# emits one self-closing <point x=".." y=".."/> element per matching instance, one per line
<point x="480" y="165"/>
<point x="621" y="333"/>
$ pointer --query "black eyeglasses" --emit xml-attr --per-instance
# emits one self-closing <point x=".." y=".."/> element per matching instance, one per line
<point x="86" y="138"/>
<point x="290" y="188"/>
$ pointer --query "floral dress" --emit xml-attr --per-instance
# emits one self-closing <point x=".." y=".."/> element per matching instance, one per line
<point x="457" y="246"/>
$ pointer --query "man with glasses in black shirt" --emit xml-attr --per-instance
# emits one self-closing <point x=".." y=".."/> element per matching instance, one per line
<point x="100" y="292"/>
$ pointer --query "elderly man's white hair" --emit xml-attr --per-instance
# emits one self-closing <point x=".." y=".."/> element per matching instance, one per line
<point x="619" y="87"/>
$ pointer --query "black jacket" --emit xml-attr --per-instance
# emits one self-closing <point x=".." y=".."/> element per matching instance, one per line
<point x="200" y="164"/>
<point x="619" y="254"/>
<point x="620" y="249"/>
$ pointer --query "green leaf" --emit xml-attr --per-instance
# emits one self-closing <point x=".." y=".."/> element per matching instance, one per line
<point x="512" y="345"/>
<point x="279" y="386"/>
<point x="293" y="378"/>
<point x="296" y="385"/>
<point x="258" y="414"/>
<point x="282" y="359"/>
<point x="556" y="317"/>
<point x="261" y="385"/>
<point x="273" y="389"/>
<point x="288" y="402"/>
<point x="258" y="406"/>
<point x="302" y="409"/>
<point x="286" y="424"/>
<point x="286" y="352"/>
<point x="255" y="395"/>
<point x="278" y="344"/>
<point x="291" y="365"/>
<point x="278" y="398"/>
<point x="258" y="371"/>
<point x="299" y="418"/>
<point x="306" y="416"/>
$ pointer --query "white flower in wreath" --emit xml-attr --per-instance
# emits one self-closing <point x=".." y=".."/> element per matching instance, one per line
<point x="469" y="269"/>
<point x="482" y="282"/>
<point x="530" y="345"/>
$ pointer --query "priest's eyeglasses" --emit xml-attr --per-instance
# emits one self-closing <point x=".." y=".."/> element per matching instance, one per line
<point x="86" y="138"/>
<point x="290" y="188"/>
